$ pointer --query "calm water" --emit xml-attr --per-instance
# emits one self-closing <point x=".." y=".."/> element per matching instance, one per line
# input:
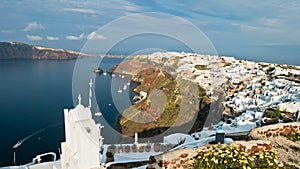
<point x="33" y="94"/>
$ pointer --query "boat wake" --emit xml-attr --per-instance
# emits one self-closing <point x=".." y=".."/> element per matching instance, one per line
<point x="20" y="142"/>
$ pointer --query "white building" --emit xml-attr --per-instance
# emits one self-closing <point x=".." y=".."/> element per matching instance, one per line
<point x="83" y="139"/>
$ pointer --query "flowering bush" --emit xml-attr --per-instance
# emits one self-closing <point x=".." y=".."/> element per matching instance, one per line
<point x="233" y="156"/>
<point x="293" y="136"/>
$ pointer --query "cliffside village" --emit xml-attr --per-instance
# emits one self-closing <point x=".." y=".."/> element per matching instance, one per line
<point x="256" y="94"/>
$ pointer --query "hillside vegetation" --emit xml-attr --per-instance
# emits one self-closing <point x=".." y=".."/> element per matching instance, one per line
<point x="169" y="102"/>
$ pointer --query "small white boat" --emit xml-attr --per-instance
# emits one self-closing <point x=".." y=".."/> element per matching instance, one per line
<point x="104" y="73"/>
<point x="18" y="144"/>
<point x="113" y="75"/>
<point x="120" y="75"/>
<point x="123" y="76"/>
<point x="109" y="104"/>
<point x="98" y="114"/>
<point x="98" y="70"/>
<point x="119" y="91"/>
<point x="128" y="83"/>
<point x="125" y="87"/>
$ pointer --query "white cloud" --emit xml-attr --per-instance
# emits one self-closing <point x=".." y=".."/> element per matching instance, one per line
<point x="6" y="31"/>
<point x="95" y="35"/>
<point x="251" y="28"/>
<point x="33" y="26"/>
<point x="52" y="38"/>
<point x="34" y="37"/>
<point x="81" y="10"/>
<point x="131" y="8"/>
<point x="248" y="27"/>
<point x="72" y="37"/>
<point x="269" y="21"/>
<point x="273" y="44"/>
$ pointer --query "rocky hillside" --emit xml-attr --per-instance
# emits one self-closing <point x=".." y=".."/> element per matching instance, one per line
<point x="285" y="138"/>
<point x="16" y="50"/>
<point x="169" y="97"/>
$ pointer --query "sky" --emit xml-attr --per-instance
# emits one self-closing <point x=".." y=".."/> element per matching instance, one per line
<point x="257" y="30"/>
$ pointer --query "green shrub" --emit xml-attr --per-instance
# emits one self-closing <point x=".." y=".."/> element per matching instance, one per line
<point x="109" y="154"/>
<point x="273" y="113"/>
<point x="293" y="136"/>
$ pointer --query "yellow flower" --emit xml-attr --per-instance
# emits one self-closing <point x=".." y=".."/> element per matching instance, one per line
<point x="280" y="164"/>
<point x="251" y="158"/>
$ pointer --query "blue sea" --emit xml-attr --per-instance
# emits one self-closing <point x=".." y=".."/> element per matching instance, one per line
<point x="33" y="95"/>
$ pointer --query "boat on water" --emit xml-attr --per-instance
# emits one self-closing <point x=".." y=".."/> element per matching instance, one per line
<point x="120" y="91"/>
<point x="98" y="114"/>
<point x="125" y="87"/>
<point x="113" y="75"/>
<point x="18" y="144"/>
<point x="105" y="73"/>
<point x="98" y="70"/>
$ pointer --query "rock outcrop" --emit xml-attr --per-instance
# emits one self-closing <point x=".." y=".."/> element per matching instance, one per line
<point x="285" y="140"/>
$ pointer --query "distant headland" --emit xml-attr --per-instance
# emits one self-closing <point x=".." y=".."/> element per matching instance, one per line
<point x="17" y="50"/>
